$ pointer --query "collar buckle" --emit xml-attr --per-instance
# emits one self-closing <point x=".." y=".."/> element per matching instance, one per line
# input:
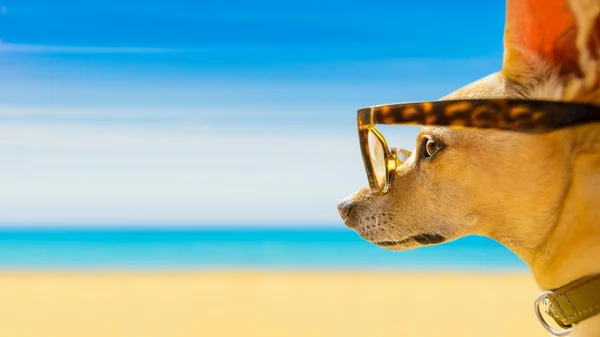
<point x="542" y="298"/>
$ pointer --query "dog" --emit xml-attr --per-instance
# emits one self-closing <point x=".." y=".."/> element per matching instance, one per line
<point x="537" y="194"/>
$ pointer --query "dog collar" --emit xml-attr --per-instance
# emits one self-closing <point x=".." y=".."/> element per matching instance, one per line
<point x="570" y="304"/>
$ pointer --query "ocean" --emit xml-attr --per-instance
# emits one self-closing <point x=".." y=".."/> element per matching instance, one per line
<point x="218" y="249"/>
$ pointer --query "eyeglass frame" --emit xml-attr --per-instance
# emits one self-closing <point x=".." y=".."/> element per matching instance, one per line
<point x="521" y="115"/>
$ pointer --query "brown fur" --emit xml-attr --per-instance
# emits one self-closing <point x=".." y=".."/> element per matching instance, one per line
<point x="539" y="195"/>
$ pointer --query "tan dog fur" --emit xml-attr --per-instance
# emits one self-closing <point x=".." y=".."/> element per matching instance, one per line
<point x="539" y="195"/>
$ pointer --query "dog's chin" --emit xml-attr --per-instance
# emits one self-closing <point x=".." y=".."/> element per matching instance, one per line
<point x="398" y="246"/>
<point x="406" y="242"/>
<point x="395" y="245"/>
<point x="409" y="243"/>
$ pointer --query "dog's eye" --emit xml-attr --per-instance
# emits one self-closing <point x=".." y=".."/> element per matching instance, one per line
<point x="431" y="148"/>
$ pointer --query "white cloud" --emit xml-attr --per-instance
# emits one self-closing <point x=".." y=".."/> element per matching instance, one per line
<point x="113" y="147"/>
<point x="54" y="49"/>
<point x="84" y="174"/>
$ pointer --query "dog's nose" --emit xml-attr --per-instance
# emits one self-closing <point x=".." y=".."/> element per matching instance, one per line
<point x="344" y="207"/>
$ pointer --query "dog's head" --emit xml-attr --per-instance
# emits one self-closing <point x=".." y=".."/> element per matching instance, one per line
<point x="474" y="181"/>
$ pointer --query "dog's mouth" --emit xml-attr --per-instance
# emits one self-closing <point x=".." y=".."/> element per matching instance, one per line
<point x="422" y="239"/>
<point x="392" y="243"/>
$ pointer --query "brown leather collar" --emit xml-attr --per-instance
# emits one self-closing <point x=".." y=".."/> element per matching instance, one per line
<point x="571" y="303"/>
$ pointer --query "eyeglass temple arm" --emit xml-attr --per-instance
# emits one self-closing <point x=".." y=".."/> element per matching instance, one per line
<point x="503" y="114"/>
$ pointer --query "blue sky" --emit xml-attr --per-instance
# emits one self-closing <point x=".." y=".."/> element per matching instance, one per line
<point x="144" y="112"/>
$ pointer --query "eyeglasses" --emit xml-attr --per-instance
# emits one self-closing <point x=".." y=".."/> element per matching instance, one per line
<point x="503" y="114"/>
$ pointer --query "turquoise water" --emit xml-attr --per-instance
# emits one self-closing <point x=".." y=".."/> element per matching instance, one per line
<point x="161" y="249"/>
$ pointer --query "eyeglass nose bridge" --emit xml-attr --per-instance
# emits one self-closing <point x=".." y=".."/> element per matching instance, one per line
<point x="394" y="162"/>
<point x="400" y="156"/>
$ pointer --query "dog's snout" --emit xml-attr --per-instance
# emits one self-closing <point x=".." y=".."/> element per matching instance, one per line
<point x="344" y="207"/>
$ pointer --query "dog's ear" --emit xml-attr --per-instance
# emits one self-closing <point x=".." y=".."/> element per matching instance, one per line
<point x="558" y="36"/>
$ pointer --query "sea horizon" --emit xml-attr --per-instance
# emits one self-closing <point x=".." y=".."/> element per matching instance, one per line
<point x="233" y="247"/>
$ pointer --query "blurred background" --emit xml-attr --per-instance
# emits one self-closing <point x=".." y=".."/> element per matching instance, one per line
<point x="173" y="169"/>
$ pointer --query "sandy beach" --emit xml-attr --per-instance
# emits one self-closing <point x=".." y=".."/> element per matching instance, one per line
<point x="266" y="304"/>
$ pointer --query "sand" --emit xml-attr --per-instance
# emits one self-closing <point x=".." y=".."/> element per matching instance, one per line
<point x="266" y="304"/>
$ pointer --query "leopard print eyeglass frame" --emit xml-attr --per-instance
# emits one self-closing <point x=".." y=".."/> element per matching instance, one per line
<point x="536" y="116"/>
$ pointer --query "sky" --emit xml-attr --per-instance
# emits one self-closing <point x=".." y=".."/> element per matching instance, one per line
<point x="214" y="112"/>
